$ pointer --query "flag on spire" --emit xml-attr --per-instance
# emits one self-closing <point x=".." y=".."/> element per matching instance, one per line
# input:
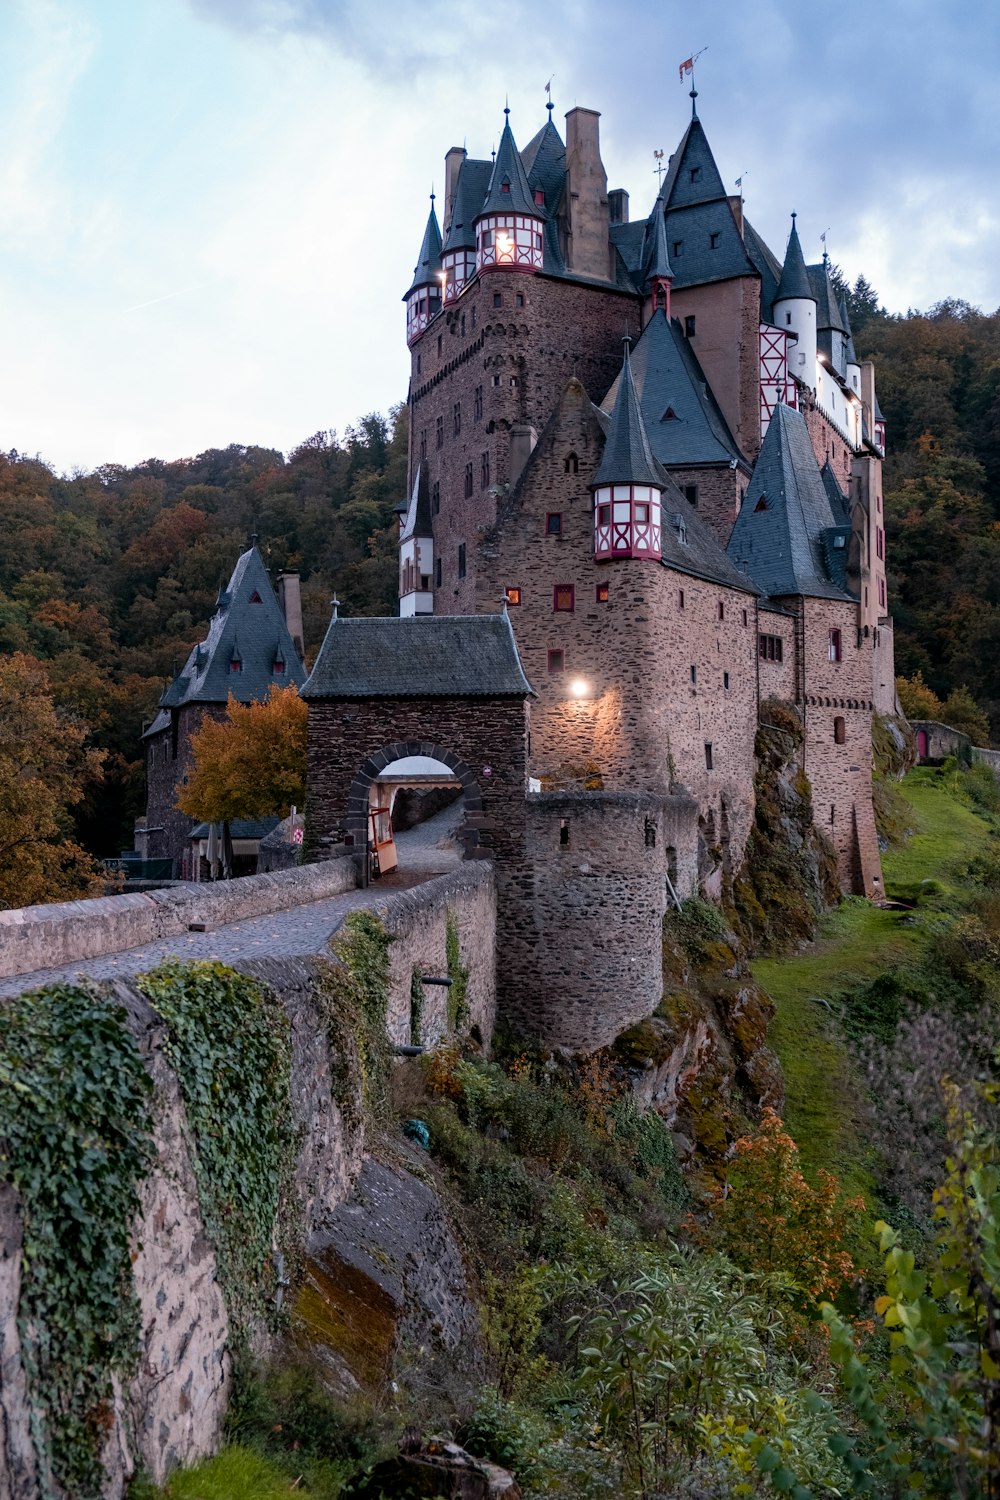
<point x="686" y="67"/>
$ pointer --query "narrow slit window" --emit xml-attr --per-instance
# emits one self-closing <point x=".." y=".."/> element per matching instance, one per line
<point x="708" y="756"/>
<point x="563" y="832"/>
<point x="839" y="731"/>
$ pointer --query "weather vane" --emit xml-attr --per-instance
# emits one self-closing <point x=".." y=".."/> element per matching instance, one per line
<point x="659" y="168"/>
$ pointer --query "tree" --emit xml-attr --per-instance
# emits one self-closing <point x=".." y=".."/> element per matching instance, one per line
<point x="770" y="1219"/>
<point x="252" y="763"/>
<point x="962" y="712"/>
<point x="918" y="701"/>
<point x="44" y="771"/>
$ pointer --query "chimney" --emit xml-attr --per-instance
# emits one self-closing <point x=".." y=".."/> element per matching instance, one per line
<point x="290" y="599"/>
<point x="522" y="442"/>
<point x="618" y="206"/>
<point x="868" y="394"/>
<point x="452" y="165"/>
<point x="736" y="204"/>
<point x="587" y="184"/>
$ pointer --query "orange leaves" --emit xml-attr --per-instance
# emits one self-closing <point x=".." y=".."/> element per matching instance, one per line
<point x="769" y="1218"/>
<point x="252" y="763"/>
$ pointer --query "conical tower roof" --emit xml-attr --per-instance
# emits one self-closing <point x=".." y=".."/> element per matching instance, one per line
<point x="657" y="259"/>
<point x="794" y="276"/>
<point x="827" y="306"/>
<point x="627" y="457"/>
<point x="428" y="268"/>
<point x="509" y="191"/>
<point x="852" y="355"/>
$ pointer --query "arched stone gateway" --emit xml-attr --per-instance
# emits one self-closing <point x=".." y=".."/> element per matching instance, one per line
<point x="361" y="788"/>
<point x="447" y="687"/>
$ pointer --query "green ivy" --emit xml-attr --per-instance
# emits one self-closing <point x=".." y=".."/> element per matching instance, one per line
<point x="417" y="998"/>
<point x="458" y="973"/>
<point x="356" y="996"/>
<point x="75" y="1142"/>
<point x="228" y="1041"/>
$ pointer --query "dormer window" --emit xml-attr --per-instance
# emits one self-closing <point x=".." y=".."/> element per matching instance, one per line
<point x="278" y="669"/>
<point x="695" y="174"/>
<point x="236" y="665"/>
<point x="505" y="185"/>
<point x="761" y="505"/>
<point x="255" y="598"/>
<point x="539" y="197"/>
<point x="669" y="415"/>
<point x="677" y="248"/>
<point x="713" y="241"/>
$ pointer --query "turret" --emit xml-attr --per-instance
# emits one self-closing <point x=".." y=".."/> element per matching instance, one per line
<point x="659" y="274"/>
<point x="467" y="184"/>
<point x="510" y="224"/>
<point x="423" y="300"/>
<point x="852" y="365"/>
<point x="416" y="551"/>
<point x="795" y="311"/>
<point x="628" y="486"/>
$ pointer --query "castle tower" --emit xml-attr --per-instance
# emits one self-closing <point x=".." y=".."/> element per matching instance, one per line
<point x="795" y="311"/>
<point x="416" y="551"/>
<point x="510" y="224"/>
<point x="627" y="488"/>
<point x="423" y="300"/>
<point x="659" y="275"/>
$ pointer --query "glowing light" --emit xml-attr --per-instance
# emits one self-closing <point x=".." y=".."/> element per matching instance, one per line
<point x="505" y="244"/>
<point x="579" y="688"/>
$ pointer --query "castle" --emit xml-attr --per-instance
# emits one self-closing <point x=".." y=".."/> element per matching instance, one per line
<point x="651" y="445"/>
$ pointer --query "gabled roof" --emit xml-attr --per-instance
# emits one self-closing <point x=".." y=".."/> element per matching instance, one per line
<point x="248" y="626"/>
<point x="627" y="458"/>
<point x="767" y="265"/>
<point x="508" y="168"/>
<point x="827" y="310"/>
<point x="470" y="190"/>
<point x="668" y="379"/>
<point x="429" y="656"/>
<point x="839" y="504"/>
<point x="785" y="531"/>
<point x="427" y="269"/>
<point x="692" y="176"/>
<point x="418" y="509"/>
<point x="852" y="353"/>
<point x="795" y="281"/>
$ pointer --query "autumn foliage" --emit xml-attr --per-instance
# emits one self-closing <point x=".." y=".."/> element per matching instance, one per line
<point x="252" y="763"/>
<point x="44" y="769"/>
<point x="768" y="1218"/>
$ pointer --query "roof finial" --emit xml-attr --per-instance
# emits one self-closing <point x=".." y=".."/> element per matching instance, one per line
<point x="335" y="605"/>
<point x="627" y="343"/>
<point x="694" y="107"/>
<point x="548" y="103"/>
<point x="433" y="194"/>
<point x="506" y="105"/>
<point x="794" y="217"/>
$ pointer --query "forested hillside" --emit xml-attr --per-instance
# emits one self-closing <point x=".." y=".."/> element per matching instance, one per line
<point x="108" y="578"/>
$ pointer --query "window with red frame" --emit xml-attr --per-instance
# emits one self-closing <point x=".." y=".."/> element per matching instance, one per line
<point x="563" y="597"/>
<point x="603" y="591"/>
<point x="513" y="596"/>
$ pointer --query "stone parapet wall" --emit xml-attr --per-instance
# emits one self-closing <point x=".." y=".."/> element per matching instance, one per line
<point x="418" y="921"/>
<point x="47" y="937"/>
<point x="989" y="758"/>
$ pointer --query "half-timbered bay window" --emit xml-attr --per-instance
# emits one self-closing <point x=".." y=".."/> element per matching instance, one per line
<point x="421" y="306"/>
<point x="459" y="268"/>
<point x="509" y="240"/>
<point x="626" y="521"/>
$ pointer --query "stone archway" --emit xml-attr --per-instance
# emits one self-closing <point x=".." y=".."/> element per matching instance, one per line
<point x="359" y="793"/>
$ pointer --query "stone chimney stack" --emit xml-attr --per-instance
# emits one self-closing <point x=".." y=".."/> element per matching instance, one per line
<point x="587" y="196"/>
<point x="452" y="165"/>
<point x="523" y="438"/>
<point x="290" y="599"/>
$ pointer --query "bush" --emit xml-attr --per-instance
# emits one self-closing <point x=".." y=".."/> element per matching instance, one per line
<point x="981" y="786"/>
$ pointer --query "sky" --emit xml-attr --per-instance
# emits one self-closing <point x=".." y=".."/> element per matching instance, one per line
<point x="210" y="209"/>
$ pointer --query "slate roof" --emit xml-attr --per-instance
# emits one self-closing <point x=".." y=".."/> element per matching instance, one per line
<point x="430" y="656"/>
<point x="240" y="828"/>
<point x="657" y="260"/>
<point x="544" y="160"/>
<point x="418" y="508"/>
<point x="767" y="265"/>
<point x="839" y="504"/>
<point x="795" y="280"/>
<point x="851" y="354"/>
<point x="510" y="169"/>
<point x="668" y="377"/>
<point x="255" y="632"/>
<point x="470" y="190"/>
<point x="827" y="310"/>
<point x="428" y="266"/>
<point x="627" y="458"/>
<point x="787" y="546"/>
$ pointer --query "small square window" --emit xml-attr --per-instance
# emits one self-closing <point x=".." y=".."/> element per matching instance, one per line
<point x="689" y="323"/>
<point x="604" y="515"/>
<point x="691" y="494"/>
<point x="519" y="299"/>
<point x="553" y="523"/>
<point x="513" y="597"/>
<point x="563" y="597"/>
<point x="603" y="593"/>
<point x="498" y="299"/>
<point x="555" y="661"/>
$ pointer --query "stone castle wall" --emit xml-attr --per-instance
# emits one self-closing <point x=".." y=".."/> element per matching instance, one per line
<point x="727" y="323"/>
<point x="580" y="920"/>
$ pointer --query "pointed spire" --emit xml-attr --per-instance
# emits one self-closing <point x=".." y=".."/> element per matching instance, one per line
<point x="627" y="457"/>
<point x="794" y="277"/>
<point x="658" y="266"/>
<point x="852" y="355"/>
<point x="427" y="271"/>
<point x="509" y="191"/>
<point x="694" y="106"/>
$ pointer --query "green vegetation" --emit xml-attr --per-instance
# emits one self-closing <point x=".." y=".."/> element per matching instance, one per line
<point x="75" y="1143"/>
<point x="458" y="973"/>
<point x="354" y="995"/>
<point x="229" y="1044"/>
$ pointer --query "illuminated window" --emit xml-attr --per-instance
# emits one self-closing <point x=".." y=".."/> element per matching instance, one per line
<point x="563" y="597"/>
<point x="603" y="592"/>
<point x="513" y="596"/>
